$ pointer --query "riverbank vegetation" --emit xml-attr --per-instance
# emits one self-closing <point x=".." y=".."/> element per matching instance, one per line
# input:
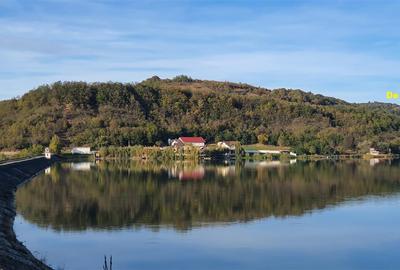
<point x="150" y="112"/>
<point x="34" y="150"/>
<point x="150" y="153"/>
<point x="214" y="153"/>
<point x="154" y="153"/>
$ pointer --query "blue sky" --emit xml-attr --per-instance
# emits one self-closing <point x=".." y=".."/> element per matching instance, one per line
<point x="347" y="49"/>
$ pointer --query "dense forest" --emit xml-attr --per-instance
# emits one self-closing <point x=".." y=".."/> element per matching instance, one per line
<point x="150" y="112"/>
<point x="125" y="194"/>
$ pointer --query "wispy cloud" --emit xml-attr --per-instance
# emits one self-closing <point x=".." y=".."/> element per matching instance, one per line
<point x="338" y="48"/>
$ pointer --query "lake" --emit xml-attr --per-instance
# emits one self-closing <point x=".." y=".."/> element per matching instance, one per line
<point x="252" y="215"/>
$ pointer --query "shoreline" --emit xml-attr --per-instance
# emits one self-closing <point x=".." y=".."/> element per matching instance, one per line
<point x="13" y="254"/>
<point x="265" y="157"/>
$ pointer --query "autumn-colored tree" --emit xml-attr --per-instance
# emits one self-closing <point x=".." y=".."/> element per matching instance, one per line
<point x="55" y="145"/>
<point x="262" y="138"/>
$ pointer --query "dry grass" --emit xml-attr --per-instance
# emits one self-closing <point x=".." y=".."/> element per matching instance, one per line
<point x="9" y="154"/>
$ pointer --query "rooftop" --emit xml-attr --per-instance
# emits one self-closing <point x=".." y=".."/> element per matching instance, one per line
<point x="192" y="139"/>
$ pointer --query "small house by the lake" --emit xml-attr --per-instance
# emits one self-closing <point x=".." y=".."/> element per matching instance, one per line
<point x="81" y="151"/>
<point x="230" y="145"/>
<point x="188" y="141"/>
<point x="374" y="152"/>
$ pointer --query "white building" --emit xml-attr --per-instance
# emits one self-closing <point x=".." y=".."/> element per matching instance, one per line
<point x="374" y="152"/>
<point x="47" y="153"/>
<point x="81" y="150"/>
<point x="231" y="145"/>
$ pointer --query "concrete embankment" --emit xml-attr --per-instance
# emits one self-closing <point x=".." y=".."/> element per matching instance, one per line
<point x="13" y="254"/>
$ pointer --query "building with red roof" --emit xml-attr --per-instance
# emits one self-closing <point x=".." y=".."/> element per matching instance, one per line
<point x="195" y="141"/>
<point x="189" y="141"/>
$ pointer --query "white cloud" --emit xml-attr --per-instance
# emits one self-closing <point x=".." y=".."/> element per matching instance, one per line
<point x="324" y="48"/>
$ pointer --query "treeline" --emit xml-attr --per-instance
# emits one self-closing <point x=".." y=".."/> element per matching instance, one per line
<point x="151" y="112"/>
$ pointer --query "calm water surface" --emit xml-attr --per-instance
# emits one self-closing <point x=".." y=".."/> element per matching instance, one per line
<point x="268" y="215"/>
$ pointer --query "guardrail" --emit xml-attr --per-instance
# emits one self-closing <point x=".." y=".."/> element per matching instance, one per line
<point x="14" y="160"/>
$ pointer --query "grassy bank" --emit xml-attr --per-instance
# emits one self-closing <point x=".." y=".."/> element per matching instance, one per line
<point x="35" y="150"/>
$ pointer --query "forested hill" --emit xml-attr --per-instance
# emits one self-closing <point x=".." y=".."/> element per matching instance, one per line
<point x="154" y="110"/>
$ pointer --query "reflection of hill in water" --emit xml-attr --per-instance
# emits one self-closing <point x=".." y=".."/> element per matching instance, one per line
<point x="115" y="195"/>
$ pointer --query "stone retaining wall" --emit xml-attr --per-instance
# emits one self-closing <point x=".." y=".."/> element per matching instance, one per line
<point x="13" y="254"/>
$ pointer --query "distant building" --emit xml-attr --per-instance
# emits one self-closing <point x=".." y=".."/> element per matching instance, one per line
<point x="270" y="152"/>
<point x="175" y="143"/>
<point x="47" y="153"/>
<point x="374" y="152"/>
<point x="188" y="141"/>
<point x="81" y="150"/>
<point x="193" y="141"/>
<point x="230" y="145"/>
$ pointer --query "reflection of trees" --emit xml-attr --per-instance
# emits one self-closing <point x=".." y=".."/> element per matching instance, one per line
<point x="119" y="194"/>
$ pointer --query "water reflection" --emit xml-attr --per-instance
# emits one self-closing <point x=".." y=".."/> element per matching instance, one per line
<point x="187" y="173"/>
<point x="111" y="195"/>
<point x="81" y="166"/>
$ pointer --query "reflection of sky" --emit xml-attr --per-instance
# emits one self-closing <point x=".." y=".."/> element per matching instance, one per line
<point x="354" y="235"/>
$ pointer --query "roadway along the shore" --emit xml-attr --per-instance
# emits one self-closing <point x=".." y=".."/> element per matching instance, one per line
<point x="13" y="254"/>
